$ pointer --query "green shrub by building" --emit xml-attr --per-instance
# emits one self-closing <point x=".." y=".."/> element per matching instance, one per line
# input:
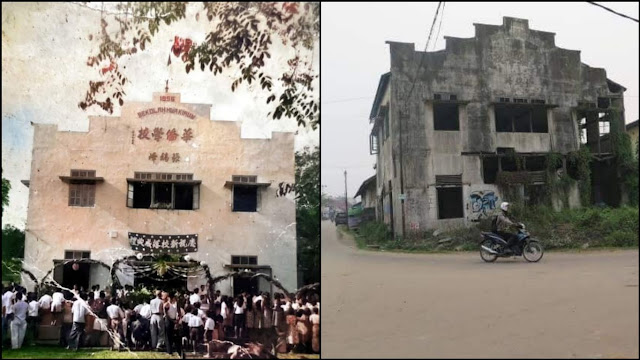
<point x="567" y="229"/>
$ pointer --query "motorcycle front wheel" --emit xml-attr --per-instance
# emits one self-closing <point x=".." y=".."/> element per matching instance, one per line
<point x="485" y="255"/>
<point x="533" y="251"/>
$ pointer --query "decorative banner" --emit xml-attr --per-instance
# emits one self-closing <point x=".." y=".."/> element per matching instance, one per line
<point x="178" y="244"/>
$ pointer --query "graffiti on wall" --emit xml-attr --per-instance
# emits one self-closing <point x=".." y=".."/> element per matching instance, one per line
<point x="482" y="204"/>
<point x="284" y="189"/>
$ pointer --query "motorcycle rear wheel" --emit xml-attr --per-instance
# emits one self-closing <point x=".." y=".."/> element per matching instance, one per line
<point x="487" y="256"/>
<point x="533" y="251"/>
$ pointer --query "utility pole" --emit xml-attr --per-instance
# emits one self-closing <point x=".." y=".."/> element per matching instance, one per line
<point x="346" y="204"/>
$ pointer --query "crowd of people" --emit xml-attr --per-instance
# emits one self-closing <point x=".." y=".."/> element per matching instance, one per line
<point x="171" y="322"/>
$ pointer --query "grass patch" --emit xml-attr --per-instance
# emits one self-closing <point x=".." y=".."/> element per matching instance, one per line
<point x="55" y="352"/>
<point x="582" y="228"/>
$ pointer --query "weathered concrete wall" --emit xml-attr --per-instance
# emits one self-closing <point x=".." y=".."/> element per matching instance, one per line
<point x="510" y="61"/>
<point x="112" y="148"/>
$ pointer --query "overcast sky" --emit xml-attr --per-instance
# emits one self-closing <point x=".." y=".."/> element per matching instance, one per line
<point x="45" y="47"/>
<point x="354" y="55"/>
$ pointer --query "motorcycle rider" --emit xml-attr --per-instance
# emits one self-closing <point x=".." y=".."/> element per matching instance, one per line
<point x="505" y="226"/>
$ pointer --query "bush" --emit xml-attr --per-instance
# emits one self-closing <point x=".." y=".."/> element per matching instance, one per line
<point x="374" y="233"/>
<point x="621" y="238"/>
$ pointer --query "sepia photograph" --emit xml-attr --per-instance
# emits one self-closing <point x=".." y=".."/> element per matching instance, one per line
<point x="163" y="180"/>
<point x="479" y="180"/>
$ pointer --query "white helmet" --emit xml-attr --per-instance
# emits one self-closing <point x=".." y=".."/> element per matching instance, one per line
<point x="504" y="206"/>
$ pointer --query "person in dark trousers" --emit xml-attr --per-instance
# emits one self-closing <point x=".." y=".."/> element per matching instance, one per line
<point x="506" y="226"/>
<point x="79" y="310"/>
<point x="170" y="317"/>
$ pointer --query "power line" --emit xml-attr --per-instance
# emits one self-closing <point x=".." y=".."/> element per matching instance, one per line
<point x="439" y="24"/>
<point x="425" y="50"/>
<point x="610" y="10"/>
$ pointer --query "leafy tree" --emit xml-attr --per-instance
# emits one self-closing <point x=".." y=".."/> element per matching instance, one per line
<point x="6" y="186"/>
<point x="12" y="249"/>
<point x="308" y="213"/>
<point x="239" y="42"/>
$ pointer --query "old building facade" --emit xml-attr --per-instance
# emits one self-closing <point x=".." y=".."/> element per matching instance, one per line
<point x="162" y="178"/>
<point x="447" y="123"/>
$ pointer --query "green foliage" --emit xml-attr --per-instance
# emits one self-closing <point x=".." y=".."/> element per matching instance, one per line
<point x="581" y="160"/>
<point x="239" y="39"/>
<point x="308" y="213"/>
<point x="627" y="163"/>
<point x="569" y="228"/>
<point x="12" y="252"/>
<point x="6" y="186"/>
<point x="375" y="233"/>
<point x="140" y="295"/>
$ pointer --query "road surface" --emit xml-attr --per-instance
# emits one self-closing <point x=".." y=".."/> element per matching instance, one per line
<point x="391" y="305"/>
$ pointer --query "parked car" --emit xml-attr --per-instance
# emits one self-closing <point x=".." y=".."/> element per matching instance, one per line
<point x="341" y="219"/>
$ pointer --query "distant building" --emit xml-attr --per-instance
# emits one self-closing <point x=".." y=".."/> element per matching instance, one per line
<point x="447" y="123"/>
<point x="368" y="193"/>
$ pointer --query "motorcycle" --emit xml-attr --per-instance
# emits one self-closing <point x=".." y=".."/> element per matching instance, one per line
<point x="493" y="246"/>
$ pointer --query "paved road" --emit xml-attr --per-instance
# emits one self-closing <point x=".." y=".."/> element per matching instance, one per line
<point x="385" y="305"/>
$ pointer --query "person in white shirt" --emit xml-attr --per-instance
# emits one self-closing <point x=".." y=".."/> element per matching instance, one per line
<point x="209" y="327"/>
<point x="57" y="306"/>
<point x="32" y="317"/>
<point x="45" y="302"/>
<point x="7" y="300"/>
<point x="7" y="308"/>
<point x="238" y="317"/>
<point x="116" y="317"/>
<point x="157" y="321"/>
<point x="145" y="311"/>
<point x="78" y="310"/>
<point x="195" y="325"/>
<point x="19" y="322"/>
<point x="195" y="297"/>
<point x="96" y="292"/>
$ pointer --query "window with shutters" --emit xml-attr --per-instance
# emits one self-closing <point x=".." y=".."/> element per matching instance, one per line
<point x="82" y="195"/>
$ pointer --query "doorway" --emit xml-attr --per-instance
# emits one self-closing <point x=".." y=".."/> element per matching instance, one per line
<point x="71" y="277"/>
<point x="244" y="283"/>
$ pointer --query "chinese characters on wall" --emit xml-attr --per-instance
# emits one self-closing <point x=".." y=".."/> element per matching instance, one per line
<point x="158" y="134"/>
<point x="179" y="244"/>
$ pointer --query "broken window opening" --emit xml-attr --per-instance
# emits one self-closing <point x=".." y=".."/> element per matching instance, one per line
<point x="604" y="103"/>
<point x="445" y="117"/>
<point x="450" y="202"/>
<point x="373" y="143"/>
<point x="490" y="169"/>
<point x="521" y="118"/>
<point x="604" y="125"/>
<point x="535" y="163"/>
<point x="583" y="130"/>
<point x="508" y="163"/>
<point x="245" y="198"/>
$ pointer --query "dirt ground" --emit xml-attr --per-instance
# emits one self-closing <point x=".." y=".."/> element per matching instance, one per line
<point x="391" y="305"/>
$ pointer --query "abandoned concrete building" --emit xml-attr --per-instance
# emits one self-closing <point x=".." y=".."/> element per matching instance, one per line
<point x="449" y="124"/>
